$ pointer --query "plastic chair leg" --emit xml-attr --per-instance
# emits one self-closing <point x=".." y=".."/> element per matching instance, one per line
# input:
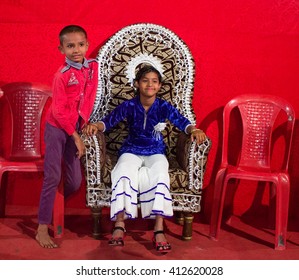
<point x="282" y="208"/>
<point x="2" y="194"/>
<point x="58" y="213"/>
<point x="217" y="207"/>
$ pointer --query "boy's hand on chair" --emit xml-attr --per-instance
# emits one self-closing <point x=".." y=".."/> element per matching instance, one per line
<point x="79" y="144"/>
<point x="90" y="129"/>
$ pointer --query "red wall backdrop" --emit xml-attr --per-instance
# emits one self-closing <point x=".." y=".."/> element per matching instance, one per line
<point x="239" y="47"/>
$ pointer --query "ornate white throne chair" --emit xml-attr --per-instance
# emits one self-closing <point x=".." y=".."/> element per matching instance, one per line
<point x="118" y="59"/>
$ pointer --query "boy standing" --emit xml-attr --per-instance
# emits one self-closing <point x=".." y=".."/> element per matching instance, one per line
<point x="74" y="90"/>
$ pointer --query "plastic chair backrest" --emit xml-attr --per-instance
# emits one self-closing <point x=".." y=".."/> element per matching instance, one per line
<point x="26" y="104"/>
<point x="258" y="115"/>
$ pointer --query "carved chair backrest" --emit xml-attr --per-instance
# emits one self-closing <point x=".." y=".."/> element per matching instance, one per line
<point x="118" y="59"/>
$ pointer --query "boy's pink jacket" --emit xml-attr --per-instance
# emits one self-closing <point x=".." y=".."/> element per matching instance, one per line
<point x="74" y="91"/>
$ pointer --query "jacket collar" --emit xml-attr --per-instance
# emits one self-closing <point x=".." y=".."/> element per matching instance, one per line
<point x="77" y="65"/>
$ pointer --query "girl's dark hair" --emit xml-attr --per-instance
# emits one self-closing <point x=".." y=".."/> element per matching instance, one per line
<point x="147" y="69"/>
<point x="70" y="29"/>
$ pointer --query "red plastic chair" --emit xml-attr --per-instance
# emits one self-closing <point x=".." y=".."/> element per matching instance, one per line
<point x="26" y="103"/>
<point x="259" y="115"/>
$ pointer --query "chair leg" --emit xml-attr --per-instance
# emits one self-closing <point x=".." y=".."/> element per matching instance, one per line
<point x="3" y="187"/>
<point x="58" y="213"/>
<point x="272" y="205"/>
<point x="217" y="207"/>
<point x="179" y="217"/>
<point x="282" y="207"/>
<point x="96" y="214"/>
<point x="187" y="227"/>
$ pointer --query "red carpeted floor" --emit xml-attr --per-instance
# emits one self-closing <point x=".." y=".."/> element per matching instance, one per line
<point x="244" y="238"/>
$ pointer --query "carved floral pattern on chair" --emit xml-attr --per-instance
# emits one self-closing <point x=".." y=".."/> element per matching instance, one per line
<point x="118" y="59"/>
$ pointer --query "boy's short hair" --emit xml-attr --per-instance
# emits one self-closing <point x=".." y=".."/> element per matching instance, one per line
<point x="70" y="29"/>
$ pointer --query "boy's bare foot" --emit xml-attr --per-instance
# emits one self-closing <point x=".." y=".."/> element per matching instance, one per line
<point x="43" y="237"/>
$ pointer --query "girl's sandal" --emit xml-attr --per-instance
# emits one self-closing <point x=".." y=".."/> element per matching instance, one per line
<point x="119" y="241"/>
<point x="162" y="247"/>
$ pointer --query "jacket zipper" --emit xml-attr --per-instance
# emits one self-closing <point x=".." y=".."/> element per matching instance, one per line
<point x="144" y="120"/>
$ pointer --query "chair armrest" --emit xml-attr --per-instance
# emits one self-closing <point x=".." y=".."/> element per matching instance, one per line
<point x="192" y="158"/>
<point x="182" y="150"/>
<point x="94" y="158"/>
